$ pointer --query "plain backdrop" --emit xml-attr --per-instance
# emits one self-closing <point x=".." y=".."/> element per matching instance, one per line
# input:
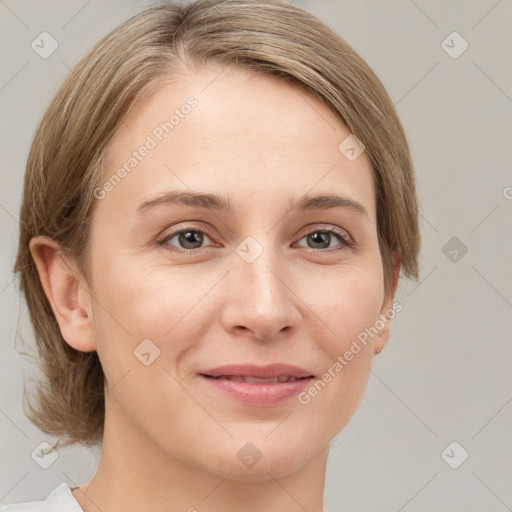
<point x="442" y="388"/>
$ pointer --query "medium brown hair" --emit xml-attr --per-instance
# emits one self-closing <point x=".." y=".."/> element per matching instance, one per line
<point x="65" y="160"/>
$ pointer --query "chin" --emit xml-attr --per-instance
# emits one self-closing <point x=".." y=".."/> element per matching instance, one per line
<point x="262" y="459"/>
<point x="263" y="470"/>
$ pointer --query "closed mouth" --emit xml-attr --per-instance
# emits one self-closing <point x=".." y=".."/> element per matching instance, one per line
<point x="258" y="380"/>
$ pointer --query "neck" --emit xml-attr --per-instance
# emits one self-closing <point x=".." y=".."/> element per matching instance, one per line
<point x="135" y="474"/>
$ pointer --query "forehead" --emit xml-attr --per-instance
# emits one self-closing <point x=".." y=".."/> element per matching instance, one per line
<point x="231" y="129"/>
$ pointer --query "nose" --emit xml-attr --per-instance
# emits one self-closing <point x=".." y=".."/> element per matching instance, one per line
<point x="259" y="299"/>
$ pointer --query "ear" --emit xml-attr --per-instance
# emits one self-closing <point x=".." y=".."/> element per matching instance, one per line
<point x="387" y="311"/>
<point x="67" y="293"/>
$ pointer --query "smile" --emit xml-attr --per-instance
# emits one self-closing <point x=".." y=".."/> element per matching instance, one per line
<point x="256" y="380"/>
<point x="258" y="386"/>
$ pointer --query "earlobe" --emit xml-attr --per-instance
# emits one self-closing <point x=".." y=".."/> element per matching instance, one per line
<point x="387" y="311"/>
<point x="61" y="284"/>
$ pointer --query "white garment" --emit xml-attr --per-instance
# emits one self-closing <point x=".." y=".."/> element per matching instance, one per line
<point x="61" y="499"/>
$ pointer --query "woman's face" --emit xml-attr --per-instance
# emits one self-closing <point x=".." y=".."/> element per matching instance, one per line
<point x="182" y="288"/>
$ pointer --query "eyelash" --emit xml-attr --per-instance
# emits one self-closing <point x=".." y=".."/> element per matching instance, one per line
<point x="346" y="243"/>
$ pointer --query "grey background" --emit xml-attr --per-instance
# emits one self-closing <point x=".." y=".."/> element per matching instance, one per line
<point x="445" y="373"/>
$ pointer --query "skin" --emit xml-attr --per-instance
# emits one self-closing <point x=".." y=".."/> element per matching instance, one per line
<point x="170" y="440"/>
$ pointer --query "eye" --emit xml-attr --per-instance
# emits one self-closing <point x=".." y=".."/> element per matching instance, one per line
<point x="187" y="239"/>
<point x="322" y="239"/>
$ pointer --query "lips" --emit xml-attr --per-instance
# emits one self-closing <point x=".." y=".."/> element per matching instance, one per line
<point x="257" y="380"/>
<point x="258" y="386"/>
<point x="270" y="373"/>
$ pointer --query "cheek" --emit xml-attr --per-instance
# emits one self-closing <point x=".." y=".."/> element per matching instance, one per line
<point x="349" y="306"/>
<point x="137" y="302"/>
<point x="348" y="303"/>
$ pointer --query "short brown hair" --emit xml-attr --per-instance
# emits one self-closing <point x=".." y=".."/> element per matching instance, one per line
<point x="65" y="161"/>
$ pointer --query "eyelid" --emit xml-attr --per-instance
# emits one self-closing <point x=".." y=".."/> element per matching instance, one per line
<point x="345" y="237"/>
<point x="189" y="227"/>
<point x="313" y="228"/>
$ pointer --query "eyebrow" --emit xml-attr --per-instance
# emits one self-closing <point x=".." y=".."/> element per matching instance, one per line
<point x="221" y="203"/>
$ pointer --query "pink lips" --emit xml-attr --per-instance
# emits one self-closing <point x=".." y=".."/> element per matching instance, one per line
<point x="258" y="385"/>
